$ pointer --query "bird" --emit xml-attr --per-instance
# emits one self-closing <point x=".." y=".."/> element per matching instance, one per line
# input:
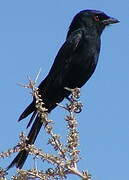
<point x="73" y="66"/>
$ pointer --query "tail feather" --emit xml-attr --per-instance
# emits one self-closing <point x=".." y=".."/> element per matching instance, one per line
<point x="27" y="111"/>
<point x="31" y="119"/>
<point x="20" y="159"/>
<point x="34" y="130"/>
<point x="22" y="155"/>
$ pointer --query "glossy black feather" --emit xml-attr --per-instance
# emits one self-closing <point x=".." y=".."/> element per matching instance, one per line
<point x="72" y="67"/>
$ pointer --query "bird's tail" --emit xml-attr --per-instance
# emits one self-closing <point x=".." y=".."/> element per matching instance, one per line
<point x="27" y="111"/>
<point x="20" y="159"/>
<point x="22" y="155"/>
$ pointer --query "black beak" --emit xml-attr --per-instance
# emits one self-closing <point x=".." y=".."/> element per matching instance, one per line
<point x="110" y="20"/>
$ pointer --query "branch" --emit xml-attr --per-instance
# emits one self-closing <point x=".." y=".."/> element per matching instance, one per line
<point x="67" y="155"/>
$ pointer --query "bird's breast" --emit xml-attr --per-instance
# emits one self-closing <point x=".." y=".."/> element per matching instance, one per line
<point x="83" y="65"/>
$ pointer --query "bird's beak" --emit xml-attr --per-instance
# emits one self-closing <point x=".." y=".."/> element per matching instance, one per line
<point x="110" y="20"/>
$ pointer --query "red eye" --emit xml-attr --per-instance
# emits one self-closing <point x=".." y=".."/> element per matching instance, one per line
<point x="96" y="18"/>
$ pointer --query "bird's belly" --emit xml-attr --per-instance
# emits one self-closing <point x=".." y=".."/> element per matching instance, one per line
<point x="80" y="73"/>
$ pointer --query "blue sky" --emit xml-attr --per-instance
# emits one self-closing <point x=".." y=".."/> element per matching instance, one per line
<point x="31" y="33"/>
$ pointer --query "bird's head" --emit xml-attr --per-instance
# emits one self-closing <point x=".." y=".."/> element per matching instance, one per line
<point x="92" y="19"/>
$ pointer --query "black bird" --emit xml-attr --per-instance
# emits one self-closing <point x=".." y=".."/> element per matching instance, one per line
<point x="73" y="66"/>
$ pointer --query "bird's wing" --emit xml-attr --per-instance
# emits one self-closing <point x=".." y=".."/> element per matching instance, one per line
<point x="58" y="71"/>
<point x="63" y="59"/>
<point x="66" y="51"/>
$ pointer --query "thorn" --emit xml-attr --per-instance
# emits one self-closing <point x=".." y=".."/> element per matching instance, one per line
<point x="38" y="75"/>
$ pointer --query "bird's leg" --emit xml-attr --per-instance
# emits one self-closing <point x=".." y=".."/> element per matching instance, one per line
<point x="68" y="98"/>
<point x="73" y="99"/>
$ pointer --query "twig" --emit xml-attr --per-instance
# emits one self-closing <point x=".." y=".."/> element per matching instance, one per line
<point x="67" y="157"/>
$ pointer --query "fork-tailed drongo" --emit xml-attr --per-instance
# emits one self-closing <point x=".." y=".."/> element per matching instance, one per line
<point x="73" y="66"/>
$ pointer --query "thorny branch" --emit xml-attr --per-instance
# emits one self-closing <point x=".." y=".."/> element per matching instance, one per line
<point x="67" y="157"/>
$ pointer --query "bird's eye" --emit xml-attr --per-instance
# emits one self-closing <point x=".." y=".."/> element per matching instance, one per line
<point x="96" y="18"/>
